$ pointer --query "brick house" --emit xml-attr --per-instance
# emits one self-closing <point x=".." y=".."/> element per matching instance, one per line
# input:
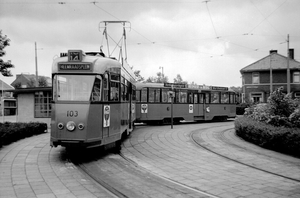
<point x="269" y="73"/>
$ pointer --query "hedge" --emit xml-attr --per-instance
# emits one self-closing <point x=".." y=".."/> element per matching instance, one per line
<point x="11" y="132"/>
<point x="281" y="139"/>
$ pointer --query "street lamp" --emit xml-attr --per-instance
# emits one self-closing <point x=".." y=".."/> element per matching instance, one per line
<point x="162" y="69"/>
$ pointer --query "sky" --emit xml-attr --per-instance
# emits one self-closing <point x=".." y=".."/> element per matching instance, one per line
<point x="206" y="42"/>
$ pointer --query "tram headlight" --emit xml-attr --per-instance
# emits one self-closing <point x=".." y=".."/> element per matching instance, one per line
<point x="80" y="126"/>
<point x="60" y="126"/>
<point x="71" y="126"/>
<point x="207" y="109"/>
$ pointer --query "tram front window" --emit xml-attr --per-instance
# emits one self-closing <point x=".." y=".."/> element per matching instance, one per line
<point x="77" y="88"/>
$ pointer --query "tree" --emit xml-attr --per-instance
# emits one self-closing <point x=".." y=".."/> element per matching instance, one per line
<point x="31" y="83"/>
<point x="178" y="79"/>
<point x="160" y="78"/>
<point x="4" y="66"/>
<point x="151" y="79"/>
<point x="139" y="78"/>
<point x="43" y="82"/>
<point x="18" y="85"/>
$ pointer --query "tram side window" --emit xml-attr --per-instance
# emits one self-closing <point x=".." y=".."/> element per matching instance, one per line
<point x="190" y="98"/>
<point x="232" y="101"/>
<point x="114" y="87"/>
<point x="105" y="88"/>
<point x="207" y="98"/>
<point x="164" y="95"/>
<point x="154" y="95"/>
<point x="96" y="91"/>
<point x="114" y="91"/>
<point x="215" y="97"/>
<point x="201" y="98"/>
<point x="225" y="98"/>
<point x="133" y="93"/>
<point x="123" y="92"/>
<point x="144" y="95"/>
<point x="138" y="95"/>
<point x="127" y="90"/>
<point x="196" y="98"/>
<point x="182" y="97"/>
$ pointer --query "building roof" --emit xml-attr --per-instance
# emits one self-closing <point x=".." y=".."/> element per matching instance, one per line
<point x="274" y="60"/>
<point x="24" y="79"/>
<point x="5" y="86"/>
<point x="31" y="90"/>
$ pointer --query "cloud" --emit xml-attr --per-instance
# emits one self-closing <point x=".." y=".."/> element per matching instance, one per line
<point x="205" y="43"/>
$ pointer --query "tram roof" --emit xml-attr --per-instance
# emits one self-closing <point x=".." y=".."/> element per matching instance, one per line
<point x="101" y="64"/>
<point x="140" y="85"/>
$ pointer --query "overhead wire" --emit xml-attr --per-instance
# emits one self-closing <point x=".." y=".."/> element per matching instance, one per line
<point x="120" y="20"/>
<point x="211" y="18"/>
<point x="95" y="3"/>
<point x="266" y="17"/>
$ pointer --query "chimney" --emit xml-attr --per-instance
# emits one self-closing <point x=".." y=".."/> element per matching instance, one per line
<point x="273" y="51"/>
<point x="291" y="53"/>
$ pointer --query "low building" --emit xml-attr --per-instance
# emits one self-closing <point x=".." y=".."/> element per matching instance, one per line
<point x="34" y="104"/>
<point x="264" y="76"/>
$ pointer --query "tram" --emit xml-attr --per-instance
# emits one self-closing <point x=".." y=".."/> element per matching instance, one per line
<point x="93" y="99"/>
<point x="159" y="102"/>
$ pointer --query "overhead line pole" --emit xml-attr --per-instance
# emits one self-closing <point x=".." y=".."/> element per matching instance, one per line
<point x="288" y="65"/>
<point x="36" y="67"/>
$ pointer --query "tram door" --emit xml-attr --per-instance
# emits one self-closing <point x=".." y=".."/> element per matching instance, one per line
<point x="201" y="105"/>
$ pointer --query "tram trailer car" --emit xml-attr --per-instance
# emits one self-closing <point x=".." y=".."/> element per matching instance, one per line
<point x="201" y="103"/>
<point x="93" y="100"/>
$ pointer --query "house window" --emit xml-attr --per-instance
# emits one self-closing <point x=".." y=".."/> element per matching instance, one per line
<point x="296" y="77"/>
<point x="255" y="78"/>
<point x="42" y="105"/>
<point x="256" y="97"/>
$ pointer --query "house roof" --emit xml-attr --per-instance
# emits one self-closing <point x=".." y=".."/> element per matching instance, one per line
<point x="25" y="78"/>
<point x="274" y="60"/>
<point x="5" y="86"/>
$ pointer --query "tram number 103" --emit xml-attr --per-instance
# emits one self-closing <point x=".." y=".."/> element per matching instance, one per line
<point x="72" y="113"/>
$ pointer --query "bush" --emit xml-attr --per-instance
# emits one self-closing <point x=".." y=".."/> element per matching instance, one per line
<point x="295" y="117"/>
<point x="11" y="132"/>
<point x="282" y="139"/>
<point x="240" y="109"/>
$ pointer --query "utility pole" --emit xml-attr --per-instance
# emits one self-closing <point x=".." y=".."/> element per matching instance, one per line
<point x="288" y="65"/>
<point x="36" y="68"/>
<point x="271" y="75"/>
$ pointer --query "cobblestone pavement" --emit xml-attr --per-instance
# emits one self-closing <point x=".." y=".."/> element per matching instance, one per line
<point x="172" y="154"/>
<point x="31" y="168"/>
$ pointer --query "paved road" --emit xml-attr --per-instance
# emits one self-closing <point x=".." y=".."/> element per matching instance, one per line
<point x="30" y="168"/>
<point x="172" y="154"/>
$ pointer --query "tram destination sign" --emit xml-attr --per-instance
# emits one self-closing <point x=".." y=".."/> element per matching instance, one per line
<point x="72" y="66"/>
<point x="175" y="85"/>
<point x="219" y="88"/>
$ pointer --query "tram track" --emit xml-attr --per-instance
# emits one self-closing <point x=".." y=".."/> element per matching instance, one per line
<point x="125" y="175"/>
<point x="104" y="185"/>
<point x="113" y="188"/>
<point x="195" y="137"/>
<point x="169" y="180"/>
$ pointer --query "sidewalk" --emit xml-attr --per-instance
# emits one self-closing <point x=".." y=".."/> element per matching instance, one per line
<point x="31" y="168"/>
